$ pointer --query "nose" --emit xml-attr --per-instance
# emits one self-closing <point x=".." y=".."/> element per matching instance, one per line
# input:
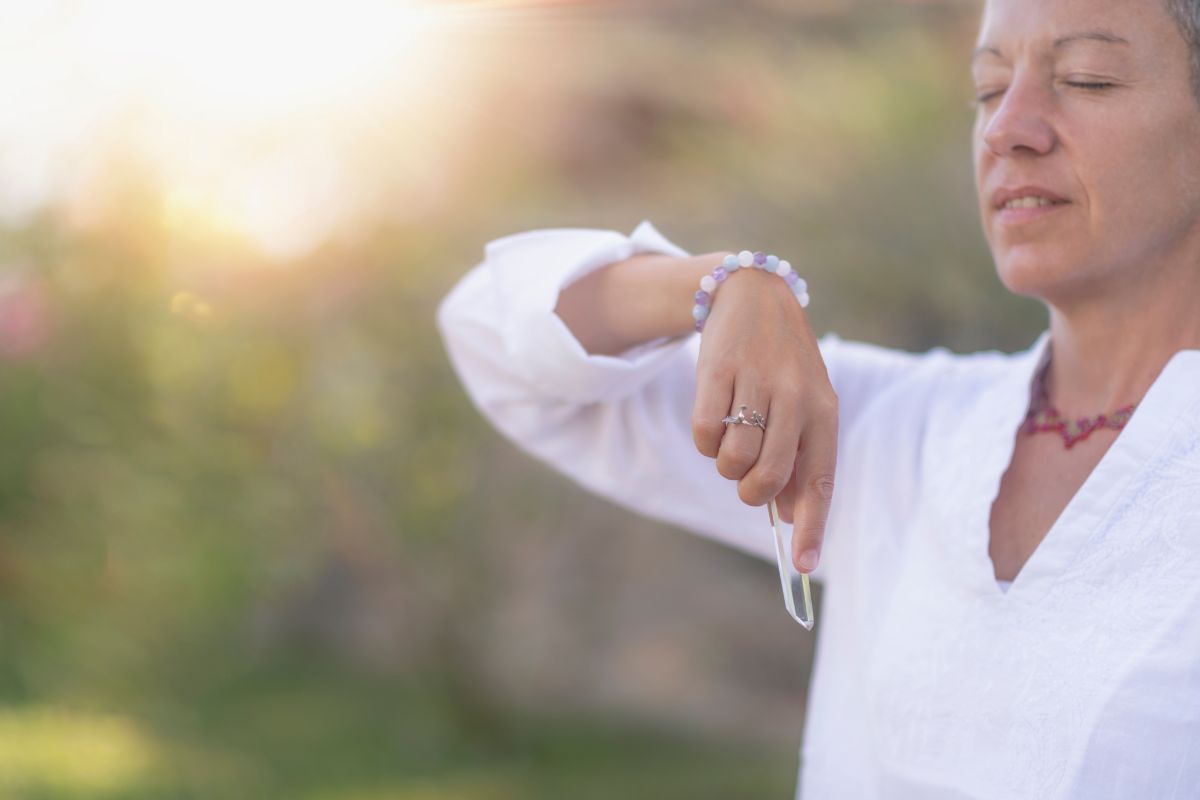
<point x="1022" y="121"/>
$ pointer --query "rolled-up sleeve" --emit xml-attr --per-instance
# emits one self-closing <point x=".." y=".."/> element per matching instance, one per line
<point x="527" y="271"/>
<point x="620" y="426"/>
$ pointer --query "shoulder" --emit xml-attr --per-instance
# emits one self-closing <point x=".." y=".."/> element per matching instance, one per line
<point x="897" y="374"/>
<point x="941" y="383"/>
<point x="982" y="372"/>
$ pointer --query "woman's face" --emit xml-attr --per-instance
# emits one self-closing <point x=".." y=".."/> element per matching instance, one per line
<point x="1086" y="106"/>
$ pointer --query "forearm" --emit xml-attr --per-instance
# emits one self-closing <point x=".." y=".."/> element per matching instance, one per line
<point x="637" y="300"/>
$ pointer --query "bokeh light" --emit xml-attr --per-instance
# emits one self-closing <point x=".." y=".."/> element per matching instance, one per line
<point x="254" y="539"/>
<point x="249" y="115"/>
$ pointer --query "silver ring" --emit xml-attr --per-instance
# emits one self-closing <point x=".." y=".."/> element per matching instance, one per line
<point x="755" y="419"/>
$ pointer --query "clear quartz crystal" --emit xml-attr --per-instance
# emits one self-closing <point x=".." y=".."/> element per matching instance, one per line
<point x="796" y="594"/>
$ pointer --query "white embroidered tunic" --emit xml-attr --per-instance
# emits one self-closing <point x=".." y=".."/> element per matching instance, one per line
<point x="932" y="681"/>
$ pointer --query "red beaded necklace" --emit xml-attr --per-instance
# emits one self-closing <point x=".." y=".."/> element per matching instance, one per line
<point x="1044" y="417"/>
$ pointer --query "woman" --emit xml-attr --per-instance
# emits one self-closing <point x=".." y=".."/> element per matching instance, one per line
<point x="1009" y="612"/>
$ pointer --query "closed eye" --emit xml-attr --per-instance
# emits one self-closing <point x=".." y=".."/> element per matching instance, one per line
<point x="1093" y="86"/>
<point x="985" y="97"/>
<point x="1089" y="86"/>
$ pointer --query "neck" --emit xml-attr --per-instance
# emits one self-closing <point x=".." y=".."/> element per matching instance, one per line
<point x="1107" y="351"/>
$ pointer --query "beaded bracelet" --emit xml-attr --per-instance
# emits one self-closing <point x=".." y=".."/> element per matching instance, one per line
<point x="731" y="264"/>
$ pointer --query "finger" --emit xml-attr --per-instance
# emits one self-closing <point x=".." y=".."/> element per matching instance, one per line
<point x="714" y="394"/>
<point x="815" y="466"/>
<point x="777" y="454"/>
<point x="741" y="444"/>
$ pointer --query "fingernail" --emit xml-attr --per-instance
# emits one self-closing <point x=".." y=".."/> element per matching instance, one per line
<point x="808" y="560"/>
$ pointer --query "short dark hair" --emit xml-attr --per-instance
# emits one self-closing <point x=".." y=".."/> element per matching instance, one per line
<point x="1187" y="17"/>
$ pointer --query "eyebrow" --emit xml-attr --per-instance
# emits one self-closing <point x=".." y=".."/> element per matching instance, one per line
<point x="1104" y="37"/>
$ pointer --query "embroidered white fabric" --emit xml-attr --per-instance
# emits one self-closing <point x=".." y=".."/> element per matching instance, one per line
<point x="932" y="679"/>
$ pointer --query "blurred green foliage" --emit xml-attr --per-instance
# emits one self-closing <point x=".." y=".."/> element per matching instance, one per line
<point x="243" y="503"/>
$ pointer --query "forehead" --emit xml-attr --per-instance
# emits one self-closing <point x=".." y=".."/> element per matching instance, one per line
<point x="1022" y="23"/>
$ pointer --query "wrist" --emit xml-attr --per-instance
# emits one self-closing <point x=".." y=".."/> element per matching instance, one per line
<point x="683" y="283"/>
<point x="771" y="266"/>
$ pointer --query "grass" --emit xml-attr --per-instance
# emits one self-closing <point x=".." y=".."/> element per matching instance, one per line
<point x="300" y="731"/>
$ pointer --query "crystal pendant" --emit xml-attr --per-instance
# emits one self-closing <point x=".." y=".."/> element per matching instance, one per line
<point x="796" y="594"/>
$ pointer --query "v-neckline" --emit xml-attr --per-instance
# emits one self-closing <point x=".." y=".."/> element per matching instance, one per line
<point x="1006" y="407"/>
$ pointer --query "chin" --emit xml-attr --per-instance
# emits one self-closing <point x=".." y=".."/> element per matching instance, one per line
<point x="1039" y="273"/>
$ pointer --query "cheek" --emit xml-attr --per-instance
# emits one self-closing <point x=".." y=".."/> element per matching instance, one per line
<point x="1185" y="169"/>
<point x="1143" y="184"/>
<point x="979" y="162"/>
<point x="978" y="152"/>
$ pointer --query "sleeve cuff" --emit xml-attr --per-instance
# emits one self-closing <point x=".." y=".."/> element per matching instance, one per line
<point x="529" y="271"/>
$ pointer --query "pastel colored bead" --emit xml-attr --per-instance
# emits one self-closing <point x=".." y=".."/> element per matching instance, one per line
<point x="732" y="263"/>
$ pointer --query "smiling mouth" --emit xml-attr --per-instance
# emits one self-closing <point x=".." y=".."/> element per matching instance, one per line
<point x="1028" y="209"/>
<point x="1031" y="201"/>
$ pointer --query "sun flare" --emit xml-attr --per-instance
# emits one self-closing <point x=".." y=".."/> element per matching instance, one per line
<point x="245" y="112"/>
